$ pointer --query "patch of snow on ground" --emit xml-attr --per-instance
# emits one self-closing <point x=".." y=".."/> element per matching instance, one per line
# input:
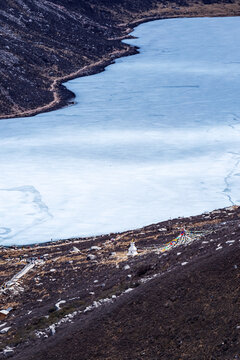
<point x="8" y="350"/>
<point x="57" y="305"/>
<point x="52" y="329"/>
<point x="5" y="330"/>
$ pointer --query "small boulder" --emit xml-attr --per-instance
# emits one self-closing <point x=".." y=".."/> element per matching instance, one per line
<point x="95" y="248"/>
<point x="91" y="257"/>
<point x="74" y="250"/>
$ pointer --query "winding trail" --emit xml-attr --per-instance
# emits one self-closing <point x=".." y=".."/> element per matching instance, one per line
<point x="54" y="88"/>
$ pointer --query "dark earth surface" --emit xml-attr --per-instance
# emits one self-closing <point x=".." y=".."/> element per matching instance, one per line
<point x="179" y="304"/>
<point x="43" y="43"/>
<point x="184" y="302"/>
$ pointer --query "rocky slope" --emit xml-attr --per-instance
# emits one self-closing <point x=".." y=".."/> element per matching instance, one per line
<point x="86" y="299"/>
<point x="173" y="300"/>
<point x="44" y="43"/>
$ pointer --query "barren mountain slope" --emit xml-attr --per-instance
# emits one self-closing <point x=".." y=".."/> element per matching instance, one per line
<point x="177" y="298"/>
<point x="45" y="42"/>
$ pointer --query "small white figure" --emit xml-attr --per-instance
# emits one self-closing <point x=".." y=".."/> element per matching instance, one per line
<point x="132" y="250"/>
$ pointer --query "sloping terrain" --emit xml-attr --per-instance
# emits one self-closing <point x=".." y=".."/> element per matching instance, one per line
<point x="43" y="43"/>
<point x="178" y="298"/>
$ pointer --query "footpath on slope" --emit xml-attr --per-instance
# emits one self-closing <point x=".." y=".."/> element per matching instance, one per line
<point x="54" y="88"/>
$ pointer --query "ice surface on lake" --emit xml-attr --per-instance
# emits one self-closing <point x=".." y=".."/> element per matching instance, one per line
<point x="154" y="136"/>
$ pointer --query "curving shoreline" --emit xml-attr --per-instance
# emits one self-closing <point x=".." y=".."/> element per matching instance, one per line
<point x="40" y="235"/>
<point x="180" y="303"/>
<point x="62" y="97"/>
<point x="58" y="89"/>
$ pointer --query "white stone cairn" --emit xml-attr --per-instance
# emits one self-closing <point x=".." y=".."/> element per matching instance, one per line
<point x="132" y="250"/>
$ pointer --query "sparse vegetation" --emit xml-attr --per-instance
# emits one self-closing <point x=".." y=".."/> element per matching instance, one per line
<point x="83" y="283"/>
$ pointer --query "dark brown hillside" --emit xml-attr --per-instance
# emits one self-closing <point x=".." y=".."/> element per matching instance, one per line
<point x="188" y="314"/>
<point x="43" y="43"/>
<point x="167" y="302"/>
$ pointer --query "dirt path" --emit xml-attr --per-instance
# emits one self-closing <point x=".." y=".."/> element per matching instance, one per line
<point x="54" y="88"/>
<point x="159" y="12"/>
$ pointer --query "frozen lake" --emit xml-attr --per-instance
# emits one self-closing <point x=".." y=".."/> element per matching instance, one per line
<point x="155" y="136"/>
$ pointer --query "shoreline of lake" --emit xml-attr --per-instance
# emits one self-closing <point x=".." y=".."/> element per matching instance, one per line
<point x="63" y="97"/>
<point x="113" y="147"/>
